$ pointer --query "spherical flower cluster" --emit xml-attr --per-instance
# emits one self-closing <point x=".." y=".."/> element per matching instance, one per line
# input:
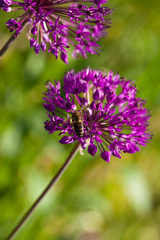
<point x="60" y="24"/>
<point x="114" y="119"/>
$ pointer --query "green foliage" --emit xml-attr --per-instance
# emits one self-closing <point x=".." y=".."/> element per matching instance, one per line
<point x="93" y="199"/>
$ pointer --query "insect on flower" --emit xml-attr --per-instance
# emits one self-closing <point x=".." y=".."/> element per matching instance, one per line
<point x="60" y="24"/>
<point x="112" y="118"/>
<point x="77" y="120"/>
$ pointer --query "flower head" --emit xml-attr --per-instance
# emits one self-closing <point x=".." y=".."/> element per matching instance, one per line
<point x="60" y="24"/>
<point x="110" y="116"/>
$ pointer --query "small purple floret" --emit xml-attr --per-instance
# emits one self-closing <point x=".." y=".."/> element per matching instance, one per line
<point x="92" y="149"/>
<point x="106" y="156"/>
<point x="115" y="121"/>
<point x="5" y="5"/>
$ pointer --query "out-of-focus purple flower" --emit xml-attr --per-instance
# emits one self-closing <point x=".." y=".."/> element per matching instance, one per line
<point x="114" y="119"/>
<point x="60" y="24"/>
<point x="5" y="5"/>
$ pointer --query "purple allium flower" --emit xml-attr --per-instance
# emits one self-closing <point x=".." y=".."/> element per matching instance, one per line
<point x="60" y="24"/>
<point x="114" y="119"/>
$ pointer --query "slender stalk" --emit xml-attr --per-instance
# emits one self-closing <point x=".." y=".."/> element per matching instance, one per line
<point x="10" y="41"/>
<point x="45" y="191"/>
<point x="7" y="44"/>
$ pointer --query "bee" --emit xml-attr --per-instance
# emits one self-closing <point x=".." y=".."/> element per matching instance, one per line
<point x="77" y="120"/>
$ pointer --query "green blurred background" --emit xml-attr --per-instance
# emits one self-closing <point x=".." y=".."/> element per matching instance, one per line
<point x="93" y="200"/>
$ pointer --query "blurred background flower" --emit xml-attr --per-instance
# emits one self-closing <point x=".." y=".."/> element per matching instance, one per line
<point x="92" y="200"/>
<point x="60" y="24"/>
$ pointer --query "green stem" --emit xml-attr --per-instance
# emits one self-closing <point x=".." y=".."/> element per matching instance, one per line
<point x="8" y="44"/>
<point x="11" y="40"/>
<point x="45" y="191"/>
